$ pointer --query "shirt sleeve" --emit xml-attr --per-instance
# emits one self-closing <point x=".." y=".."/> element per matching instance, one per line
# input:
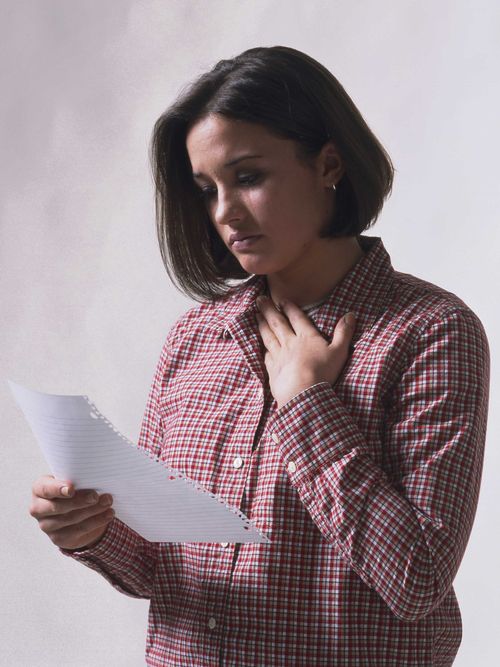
<point x="122" y="556"/>
<point x="405" y="537"/>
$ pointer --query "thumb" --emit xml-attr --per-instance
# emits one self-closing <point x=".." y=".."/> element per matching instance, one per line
<point x="344" y="330"/>
<point x="349" y="322"/>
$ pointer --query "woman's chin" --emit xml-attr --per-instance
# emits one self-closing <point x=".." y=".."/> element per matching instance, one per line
<point x="254" y="265"/>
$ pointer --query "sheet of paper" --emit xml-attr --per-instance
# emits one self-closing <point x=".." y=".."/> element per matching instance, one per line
<point x="162" y="505"/>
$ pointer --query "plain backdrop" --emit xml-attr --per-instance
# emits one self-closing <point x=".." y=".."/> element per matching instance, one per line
<point x="86" y="303"/>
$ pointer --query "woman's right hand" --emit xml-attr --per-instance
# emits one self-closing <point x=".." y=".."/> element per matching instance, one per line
<point x="72" y="519"/>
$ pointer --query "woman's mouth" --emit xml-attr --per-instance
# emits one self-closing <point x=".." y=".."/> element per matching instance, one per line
<point x="246" y="242"/>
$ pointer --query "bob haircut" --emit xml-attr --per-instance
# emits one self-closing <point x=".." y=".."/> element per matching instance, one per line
<point x="294" y="97"/>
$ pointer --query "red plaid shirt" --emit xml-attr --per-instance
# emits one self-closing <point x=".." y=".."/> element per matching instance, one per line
<point x="367" y="489"/>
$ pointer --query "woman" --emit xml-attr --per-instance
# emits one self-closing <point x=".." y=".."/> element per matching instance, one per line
<point x="340" y="404"/>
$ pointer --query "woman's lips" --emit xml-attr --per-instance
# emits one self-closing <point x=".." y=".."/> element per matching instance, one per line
<point x="245" y="243"/>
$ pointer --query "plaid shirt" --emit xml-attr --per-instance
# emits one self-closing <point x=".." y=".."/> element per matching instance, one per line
<point x="367" y="489"/>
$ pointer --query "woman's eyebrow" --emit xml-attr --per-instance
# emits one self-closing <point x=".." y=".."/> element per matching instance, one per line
<point x="231" y="162"/>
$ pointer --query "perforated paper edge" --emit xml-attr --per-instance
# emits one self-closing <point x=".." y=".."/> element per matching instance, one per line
<point x="178" y="474"/>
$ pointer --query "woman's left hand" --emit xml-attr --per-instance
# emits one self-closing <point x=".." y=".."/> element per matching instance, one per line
<point x="297" y="356"/>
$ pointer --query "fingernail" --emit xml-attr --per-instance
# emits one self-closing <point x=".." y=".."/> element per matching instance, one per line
<point x="65" y="491"/>
<point x="350" y="319"/>
<point x="91" y="498"/>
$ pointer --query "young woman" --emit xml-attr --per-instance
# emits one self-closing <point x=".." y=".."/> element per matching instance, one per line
<point x="339" y="403"/>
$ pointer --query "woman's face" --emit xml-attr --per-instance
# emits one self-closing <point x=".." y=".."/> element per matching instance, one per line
<point x="254" y="185"/>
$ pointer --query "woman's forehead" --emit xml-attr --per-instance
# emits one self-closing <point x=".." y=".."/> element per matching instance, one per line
<point x="226" y="140"/>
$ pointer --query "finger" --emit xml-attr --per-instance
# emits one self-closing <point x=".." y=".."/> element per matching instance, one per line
<point x="344" y="331"/>
<point x="299" y="321"/>
<point x="49" y="487"/>
<point x="278" y="323"/>
<point x="52" y="524"/>
<point x="84" y="532"/>
<point x="268" y="338"/>
<point x="41" y="507"/>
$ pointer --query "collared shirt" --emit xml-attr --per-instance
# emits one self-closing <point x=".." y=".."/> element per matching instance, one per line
<point x="367" y="489"/>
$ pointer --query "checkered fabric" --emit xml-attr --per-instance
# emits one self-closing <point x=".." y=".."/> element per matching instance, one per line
<point x="367" y="488"/>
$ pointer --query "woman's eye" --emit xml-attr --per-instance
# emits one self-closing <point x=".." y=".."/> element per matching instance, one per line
<point x="248" y="178"/>
<point x="243" y="179"/>
<point x="206" y="193"/>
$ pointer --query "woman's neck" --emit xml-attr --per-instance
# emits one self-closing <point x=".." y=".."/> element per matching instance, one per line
<point x="315" y="278"/>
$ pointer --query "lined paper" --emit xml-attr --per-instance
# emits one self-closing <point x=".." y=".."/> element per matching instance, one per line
<point x="161" y="504"/>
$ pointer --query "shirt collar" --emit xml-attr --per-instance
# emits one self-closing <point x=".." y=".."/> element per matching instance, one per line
<point x="364" y="290"/>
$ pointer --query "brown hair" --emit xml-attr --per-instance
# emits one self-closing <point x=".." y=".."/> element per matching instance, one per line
<point x="296" y="98"/>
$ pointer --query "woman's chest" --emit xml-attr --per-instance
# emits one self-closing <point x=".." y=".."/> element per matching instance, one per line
<point x="215" y="410"/>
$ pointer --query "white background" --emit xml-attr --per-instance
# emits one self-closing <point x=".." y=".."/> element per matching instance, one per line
<point x="86" y="303"/>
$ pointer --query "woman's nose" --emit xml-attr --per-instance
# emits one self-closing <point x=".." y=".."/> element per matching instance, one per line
<point x="227" y="207"/>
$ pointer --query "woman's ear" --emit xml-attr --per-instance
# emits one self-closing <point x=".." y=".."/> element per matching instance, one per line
<point x="330" y="165"/>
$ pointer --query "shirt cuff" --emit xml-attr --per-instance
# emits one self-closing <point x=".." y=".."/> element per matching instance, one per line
<point x="314" y="430"/>
<point x="106" y="549"/>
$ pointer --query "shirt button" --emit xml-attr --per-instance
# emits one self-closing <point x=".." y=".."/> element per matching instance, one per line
<point x="212" y="622"/>
<point x="224" y="544"/>
<point x="291" y="467"/>
<point x="275" y="438"/>
<point x="238" y="462"/>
